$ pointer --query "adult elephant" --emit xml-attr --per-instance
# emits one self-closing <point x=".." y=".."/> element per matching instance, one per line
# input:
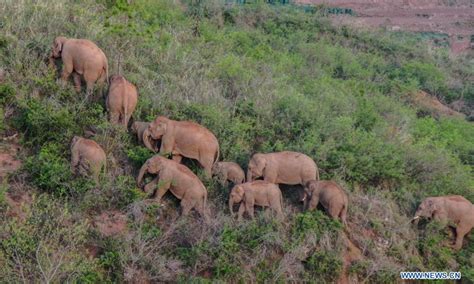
<point x="285" y="167"/>
<point x="177" y="178"/>
<point x="184" y="139"/>
<point x="451" y="208"/>
<point x="80" y="57"/>
<point x="121" y="100"/>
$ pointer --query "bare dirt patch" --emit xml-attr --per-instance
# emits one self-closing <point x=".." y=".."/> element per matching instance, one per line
<point x="18" y="202"/>
<point x="9" y="149"/>
<point x="350" y="254"/>
<point x="453" y="19"/>
<point x="431" y="104"/>
<point x="111" y="223"/>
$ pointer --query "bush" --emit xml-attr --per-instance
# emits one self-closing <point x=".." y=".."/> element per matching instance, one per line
<point x="51" y="172"/>
<point x="48" y="245"/>
<point x="323" y="265"/>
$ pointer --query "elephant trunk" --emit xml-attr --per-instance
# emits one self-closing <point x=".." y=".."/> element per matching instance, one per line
<point x="143" y="171"/>
<point x="147" y="140"/>
<point x="51" y="60"/>
<point x="249" y="176"/>
<point x="231" y="206"/>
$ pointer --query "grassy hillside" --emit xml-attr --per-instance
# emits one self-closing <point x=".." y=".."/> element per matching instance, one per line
<point x="263" y="78"/>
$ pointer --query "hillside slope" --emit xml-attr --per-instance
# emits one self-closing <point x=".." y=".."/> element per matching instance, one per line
<point x="262" y="78"/>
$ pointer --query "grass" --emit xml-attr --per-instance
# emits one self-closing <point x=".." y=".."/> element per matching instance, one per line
<point x="262" y="78"/>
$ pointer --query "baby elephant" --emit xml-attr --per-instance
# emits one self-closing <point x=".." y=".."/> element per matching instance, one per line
<point x="121" y="100"/>
<point x="180" y="180"/>
<point x="259" y="193"/>
<point x="87" y="157"/>
<point x="453" y="208"/>
<point x="140" y="128"/>
<point x="330" y="195"/>
<point x="229" y="171"/>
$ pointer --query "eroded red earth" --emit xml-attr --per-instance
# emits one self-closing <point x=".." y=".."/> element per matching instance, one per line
<point x="455" y="18"/>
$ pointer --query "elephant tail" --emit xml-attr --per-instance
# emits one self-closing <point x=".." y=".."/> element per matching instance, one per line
<point x="125" y="109"/>
<point x="281" y="198"/>
<point x="343" y="215"/>
<point x="105" y="70"/>
<point x="217" y="154"/>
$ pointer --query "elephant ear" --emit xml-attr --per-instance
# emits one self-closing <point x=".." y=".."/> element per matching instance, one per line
<point x="261" y="162"/>
<point x="58" y="44"/>
<point x="240" y="191"/>
<point x="74" y="140"/>
<point x="154" y="165"/>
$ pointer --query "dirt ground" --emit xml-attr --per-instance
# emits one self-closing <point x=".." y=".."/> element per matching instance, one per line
<point x="9" y="149"/>
<point x="445" y="20"/>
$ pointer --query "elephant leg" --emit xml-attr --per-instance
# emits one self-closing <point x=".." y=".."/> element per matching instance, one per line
<point x="249" y="208"/>
<point x="90" y="87"/>
<point x="77" y="81"/>
<point x="126" y="120"/>
<point x="74" y="160"/>
<point x="207" y="165"/>
<point x="279" y="211"/>
<point x="151" y="186"/>
<point x="343" y="215"/>
<point x="461" y="231"/>
<point x="177" y="158"/>
<point x="186" y="206"/>
<point x="83" y="170"/>
<point x="114" y="117"/>
<point x="201" y="209"/>
<point x="162" y="189"/>
<point x="241" y="211"/>
<point x="67" y="69"/>
<point x="334" y="211"/>
<point x="90" y="78"/>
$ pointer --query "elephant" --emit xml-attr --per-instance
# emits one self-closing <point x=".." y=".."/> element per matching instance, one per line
<point x="121" y="100"/>
<point x="333" y="198"/>
<point x="450" y="208"/>
<point x="87" y="157"/>
<point x="283" y="168"/>
<point x="259" y="193"/>
<point x="140" y="128"/>
<point x="80" y="57"/>
<point x="185" y="139"/>
<point x="180" y="180"/>
<point x="229" y="171"/>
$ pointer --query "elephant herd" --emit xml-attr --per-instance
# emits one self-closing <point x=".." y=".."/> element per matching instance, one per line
<point x="177" y="139"/>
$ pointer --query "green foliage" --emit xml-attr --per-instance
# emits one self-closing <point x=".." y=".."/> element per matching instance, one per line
<point x="7" y="94"/>
<point x="314" y="223"/>
<point x="48" y="245"/>
<point x="51" y="172"/>
<point x="434" y="246"/>
<point x="323" y="265"/>
<point x="138" y="155"/>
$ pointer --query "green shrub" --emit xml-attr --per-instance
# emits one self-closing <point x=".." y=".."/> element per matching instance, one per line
<point x="51" y="172"/>
<point x="323" y="265"/>
<point x="48" y="244"/>
<point x="313" y="223"/>
<point x="7" y="94"/>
